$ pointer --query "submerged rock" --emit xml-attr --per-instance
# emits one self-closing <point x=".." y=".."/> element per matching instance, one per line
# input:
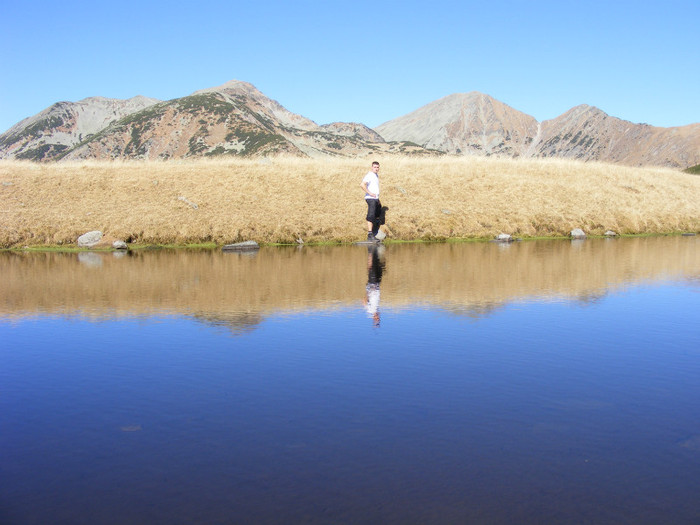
<point x="244" y="246"/>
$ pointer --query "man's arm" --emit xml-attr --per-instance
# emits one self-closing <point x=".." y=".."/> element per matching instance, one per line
<point x="363" y="185"/>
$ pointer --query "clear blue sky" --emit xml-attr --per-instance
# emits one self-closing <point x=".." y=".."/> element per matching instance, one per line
<point x="359" y="61"/>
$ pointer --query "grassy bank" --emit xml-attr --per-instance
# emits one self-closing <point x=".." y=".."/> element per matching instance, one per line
<point x="282" y="200"/>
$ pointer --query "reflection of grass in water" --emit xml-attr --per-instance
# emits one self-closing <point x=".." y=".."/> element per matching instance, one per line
<point x="237" y="323"/>
<point x="475" y="310"/>
<point x="237" y="292"/>
<point x="281" y="200"/>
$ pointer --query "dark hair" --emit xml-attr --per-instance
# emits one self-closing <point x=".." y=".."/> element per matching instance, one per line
<point x="375" y="163"/>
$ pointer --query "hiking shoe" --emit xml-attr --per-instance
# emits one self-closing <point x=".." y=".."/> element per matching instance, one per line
<point x="371" y="237"/>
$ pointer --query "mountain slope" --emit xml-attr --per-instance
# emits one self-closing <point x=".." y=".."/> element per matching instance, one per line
<point x="465" y="123"/>
<point x="58" y="128"/>
<point x="239" y="92"/>
<point x="196" y="125"/>
<point x="587" y="133"/>
<point x="232" y="119"/>
<point x="237" y="119"/>
<point x="476" y="124"/>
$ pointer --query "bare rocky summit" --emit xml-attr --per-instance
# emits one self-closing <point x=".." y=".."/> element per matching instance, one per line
<point x="232" y="119"/>
<point x="62" y="126"/>
<point x="467" y="123"/>
<point x="239" y="92"/>
<point x="587" y="133"/>
<point x="476" y="124"/>
<point x="237" y="119"/>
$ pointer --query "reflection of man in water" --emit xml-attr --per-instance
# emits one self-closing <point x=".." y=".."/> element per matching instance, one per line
<point x="375" y="267"/>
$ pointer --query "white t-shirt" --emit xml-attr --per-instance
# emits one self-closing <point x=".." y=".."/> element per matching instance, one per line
<point x="372" y="180"/>
<point x="372" y="306"/>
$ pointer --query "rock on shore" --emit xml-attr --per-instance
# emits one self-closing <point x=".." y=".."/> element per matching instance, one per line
<point x="245" y="246"/>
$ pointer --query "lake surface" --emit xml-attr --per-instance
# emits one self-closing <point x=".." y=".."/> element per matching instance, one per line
<point x="533" y="382"/>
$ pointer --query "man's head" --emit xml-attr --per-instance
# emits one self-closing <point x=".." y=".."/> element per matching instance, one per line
<point x="375" y="167"/>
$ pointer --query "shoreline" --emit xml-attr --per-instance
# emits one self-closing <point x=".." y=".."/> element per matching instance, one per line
<point x="216" y="247"/>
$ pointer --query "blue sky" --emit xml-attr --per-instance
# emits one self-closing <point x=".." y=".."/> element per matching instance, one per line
<point x="359" y="61"/>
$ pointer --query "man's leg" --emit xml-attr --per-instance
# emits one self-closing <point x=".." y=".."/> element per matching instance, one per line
<point x="370" y="221"/>
<point x="376" y="222"/>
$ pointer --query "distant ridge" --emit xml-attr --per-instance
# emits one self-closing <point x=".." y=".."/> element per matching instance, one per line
<point x="465" y="123"/>
<point x="61" y="126"/>
<point x="476" y="124"/>
<point x="232" y="119"/>
<point x="587" y="133"/>
<point x="238" y="120"/>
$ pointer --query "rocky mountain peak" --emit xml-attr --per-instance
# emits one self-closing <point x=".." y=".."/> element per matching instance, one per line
<point x="235" y="118"/>
<point x="64" y="125"/>
<point x="239" y="92"/>
<point x="232" y="87"/>
<point x="582" y="112"/>
<point x="465" y="123"/>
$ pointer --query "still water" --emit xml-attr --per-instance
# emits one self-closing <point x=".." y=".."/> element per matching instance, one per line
<point x="536" y="382"/>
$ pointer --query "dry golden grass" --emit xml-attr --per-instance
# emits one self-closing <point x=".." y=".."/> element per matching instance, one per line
<point x="280" y="200"/>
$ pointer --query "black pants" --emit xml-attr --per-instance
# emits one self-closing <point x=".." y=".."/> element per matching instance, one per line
<point x="374" y="214"/>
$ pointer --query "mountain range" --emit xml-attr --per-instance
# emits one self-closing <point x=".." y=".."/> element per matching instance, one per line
<point x="237" y="119"/>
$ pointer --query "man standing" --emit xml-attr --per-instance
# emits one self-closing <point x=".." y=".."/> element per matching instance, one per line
<point x="370" y="185"/>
